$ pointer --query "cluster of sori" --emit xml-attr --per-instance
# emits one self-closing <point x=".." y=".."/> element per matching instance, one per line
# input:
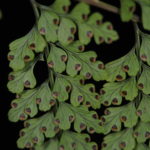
<point x="128" y="126"/>
<point x="65" y="101"/>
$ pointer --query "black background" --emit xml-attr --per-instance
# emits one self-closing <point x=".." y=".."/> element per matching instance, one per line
<point x="18" y="19"/>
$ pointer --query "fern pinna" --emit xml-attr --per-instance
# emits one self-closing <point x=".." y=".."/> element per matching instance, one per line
<point x="59" y="37"/>
<point x="128" y="126"/>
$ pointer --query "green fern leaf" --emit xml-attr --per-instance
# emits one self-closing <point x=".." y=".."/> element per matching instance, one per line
<point x="117" y="69"/>
<point x="84" y="62"/>
<point x="61" y="88"/>
<point x="103" y="32"/>
<point x="26" y="104"/>
<point x="81" y="117"/>
<point x="56" y="59"/>
<point x="120" y="140"/>
<point x="92" y="26"/>
<point x="145" y="5"/>
<point x="145" y="50"/>
<point x="143" y="109"/>
<point x="78" y="17"/>
<point x="76" y="47"/>
<point x="51" y="144"/>
<point x="79" y="93"/>
<point x="112" y="93"/>
<point x="21" y="49"/>
<point x="127" y="9"/>
<point x="90" y="98"/>
<point x="61" y="6"/>
<point x="142" y="147"/>
<point x="48" y="25"/>
<point x="80" y="12"/>
<point x="115" y="116"/>
<point x="22" y="78"/>
<point x="71" y="140"/>
<point x="142" y="132"/>
<point x="66" y="31"/>
<point x="85" y="33"/>
<point x="36" y="129"/>
<point x="144" y="82"/>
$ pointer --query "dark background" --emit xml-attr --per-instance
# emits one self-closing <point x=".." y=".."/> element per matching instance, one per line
<point x="18" y="19"/>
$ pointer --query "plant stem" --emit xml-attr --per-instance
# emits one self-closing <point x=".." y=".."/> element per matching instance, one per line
<point x="51" y="75"/>
<point x="107" y="7"/>
<point x="102" y="5"/>
<point x="137" y="39"/>
<point x="137" y="46"/>
<point x="36" y="12"/>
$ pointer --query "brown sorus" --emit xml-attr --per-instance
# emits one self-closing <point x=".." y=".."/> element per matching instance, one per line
<point x="122" y="145"/>
<point x="80" y="98"/>
<point x="102" y="92"/>
<point x="65" y="8"/>
<point x="78" y="67"/>
<point x="11" y="77"/>
<point x="43" y="129"/>
<point x="101" y="66"/>
<point x="84" y="16"/>
<point x="32" y="46"/>
<point x="22" y="117"/>
<point x="14" y="105"/>
<point x="50" y="64"/>
<point x="92" y="59"/>
<point x="101" y="39"/>
<point x="68" y="88"/>
<point x="94" y="147"/>
<point x="38" y="100"/>
<point x="119" y="77"/>
<point x="71" y="118"/>
<point x="61" y="147"/>
<point x="115" y="101"/>
<point x="106" y="112"/>
<point x="139" y="112"/>
<point x="81" y="48"/>
<point x="56" y="21"/>
<point x="91" y="130"/>
<point x="42" y="31"/>
<point x="89" y="34"/>
<point x="10" y="57"/>
<point x="98" y="22"/>
<point x="87" y="139"/>
<point x="63" y="58"/>
<point x="27" y="83"/>
<point x="106" y="103"/>
<point x="55" y="94"/>
<point x="143" y="57"/>
<point x="88" y="75"/>
<point x="114" y="128"/>
<point x="126" y="68"/>
<point x="52" y="102"/>
<point x="92" y="89"/>
<point x="123" y="118"/>
<point x="82" y="126"/>
<point x="73" y="30"/>
<point x="141" y="85"/>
